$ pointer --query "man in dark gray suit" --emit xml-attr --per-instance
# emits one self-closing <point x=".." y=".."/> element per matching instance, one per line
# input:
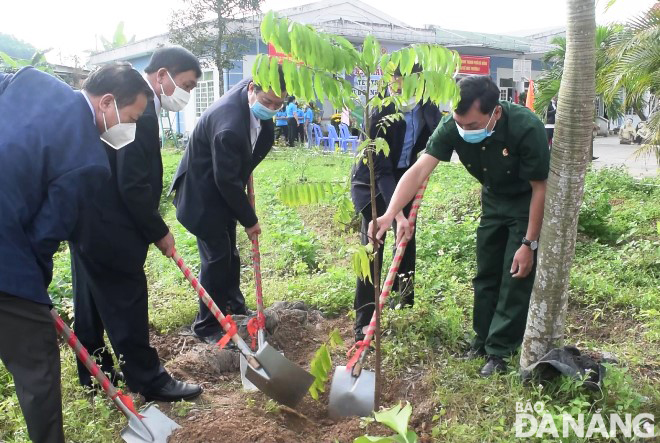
<point x="230" y="139"/>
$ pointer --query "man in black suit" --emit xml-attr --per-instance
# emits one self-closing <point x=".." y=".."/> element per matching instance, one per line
<point x="110" y="249"/>
<point x="406" y="138"/>
<point x="230" y="139"/>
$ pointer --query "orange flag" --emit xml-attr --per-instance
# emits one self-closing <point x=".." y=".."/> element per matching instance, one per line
<point x="529" y="102"/>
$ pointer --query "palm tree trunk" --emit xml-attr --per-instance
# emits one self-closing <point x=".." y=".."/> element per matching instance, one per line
<point x="568" y="164"/>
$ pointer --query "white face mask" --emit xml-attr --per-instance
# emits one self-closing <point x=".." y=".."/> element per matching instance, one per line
<point x="175" y="102"/>
<point x="120" y="134"/>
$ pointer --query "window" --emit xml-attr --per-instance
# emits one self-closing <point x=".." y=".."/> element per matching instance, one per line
<point x="204" y="93"/>
<point x="504" y="94"/>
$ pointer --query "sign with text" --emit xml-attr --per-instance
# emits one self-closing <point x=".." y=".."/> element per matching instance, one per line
<point x="473" y="64"/>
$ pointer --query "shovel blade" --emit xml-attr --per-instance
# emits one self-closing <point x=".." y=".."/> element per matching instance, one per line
<point x="158" y="427"/>
<point x="279" y="378"/>
<point x="352" y="396"/>
<point x="247" y="384"/>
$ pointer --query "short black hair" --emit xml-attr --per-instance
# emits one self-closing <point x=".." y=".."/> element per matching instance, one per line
<point x="175" y="59"/>
<point x="415" y="69"/>
<point x="478" y="87"/>
<point x="291" y="99"/>
<point x="282" y="82"/>
<point x="120" y="80"/>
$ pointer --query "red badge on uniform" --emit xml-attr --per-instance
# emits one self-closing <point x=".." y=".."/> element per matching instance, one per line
<point x="505" y="152"/>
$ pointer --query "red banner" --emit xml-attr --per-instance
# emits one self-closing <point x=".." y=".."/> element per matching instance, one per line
<point x="472" y="64"/>
<point x="273" y="52"/>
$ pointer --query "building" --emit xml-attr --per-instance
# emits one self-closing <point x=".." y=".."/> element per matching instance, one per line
<point x="490" y="54"/>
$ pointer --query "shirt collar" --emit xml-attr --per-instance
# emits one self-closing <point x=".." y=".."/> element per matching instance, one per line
<point x="156" y="99"/>
<point x="90" y="105"/>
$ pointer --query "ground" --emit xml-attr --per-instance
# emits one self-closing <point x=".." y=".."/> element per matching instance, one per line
<point x="613" y="307"/>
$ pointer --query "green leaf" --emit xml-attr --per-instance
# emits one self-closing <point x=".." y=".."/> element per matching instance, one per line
<point x="289" y="69"/>
<point x="335" y="338"/>
<point x="420" y="89"/>
<point x="308" y="83"/>
<point x="283" y="36"/>
<point x="382" y="146"/>
<point x="274" y="77"/>
<point x="372" y="439"/>
<point x="407" y="63"/>
<point x="365" y="268"/>
<point x="396" y="418"/>
<point x="267" y="26"/>
<point x="263" y="78"/>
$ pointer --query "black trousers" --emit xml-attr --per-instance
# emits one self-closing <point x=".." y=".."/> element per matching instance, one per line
<point x="281" y="131"/>
<point x="404" y="283"/>
<point x="105" y="298"/>
<point x="293" y="131"/>
<point x="301" y="132"/>
<point x="28" y="348"/>
<point x="220" y="275"/>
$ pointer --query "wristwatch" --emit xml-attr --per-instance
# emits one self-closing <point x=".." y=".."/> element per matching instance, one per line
<point x="533" y="244"/>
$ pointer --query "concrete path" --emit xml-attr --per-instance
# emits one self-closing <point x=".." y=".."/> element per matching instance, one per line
<point x="611" y="153"/>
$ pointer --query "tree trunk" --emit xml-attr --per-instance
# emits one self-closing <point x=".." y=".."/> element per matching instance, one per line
<point x="219" y="58"/>
<point x="568" y="164"/>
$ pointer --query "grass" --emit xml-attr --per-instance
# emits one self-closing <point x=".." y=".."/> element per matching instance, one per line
<point x="614" y="296"/>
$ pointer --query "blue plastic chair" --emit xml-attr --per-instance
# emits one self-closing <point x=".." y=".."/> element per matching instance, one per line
<point x="346" y="138"/>
<point x="320" y="140"/>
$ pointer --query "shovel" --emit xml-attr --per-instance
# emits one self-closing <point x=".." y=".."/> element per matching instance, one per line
<point x="149" y="425"/>
<point x="268" y="370"/>
<point x="353" y="388"/>
<point x="256" y="326"/>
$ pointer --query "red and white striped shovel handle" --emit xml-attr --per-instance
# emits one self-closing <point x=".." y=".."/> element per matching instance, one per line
<point x="226" y="322"/>
<point x="391" y="275"/>
<point x="123" y="402"/>
<point x="256" y="263"/>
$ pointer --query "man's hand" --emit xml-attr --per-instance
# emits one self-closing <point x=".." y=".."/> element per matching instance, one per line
<point x="403" y="228"/>
<point x="253" y="231"/>
<point x="384" y="223"/>
<point x="522" y="262"/>
<point x="166" y="245"/>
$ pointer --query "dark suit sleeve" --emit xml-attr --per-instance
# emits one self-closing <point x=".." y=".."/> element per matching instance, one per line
<point x="133" y="173"/>
<point x="383" y="170"/>
<point x="227" y="166"/>
<point x="58" y="214"/>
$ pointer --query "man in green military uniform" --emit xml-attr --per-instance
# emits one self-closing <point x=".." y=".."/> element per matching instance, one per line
<point x="504" y="146"/>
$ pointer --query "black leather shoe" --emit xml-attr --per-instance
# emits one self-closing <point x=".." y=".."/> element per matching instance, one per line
<point x="493" y="365"/>
<point x="174" y="390"/>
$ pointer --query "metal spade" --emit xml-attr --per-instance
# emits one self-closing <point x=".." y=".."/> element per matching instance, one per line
<point x="149" y="425"/>
<point x="353" y="388"/>
<point x="268" y="370"/>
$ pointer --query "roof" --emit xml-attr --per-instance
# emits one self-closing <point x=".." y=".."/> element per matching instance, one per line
<point x="355" y="20"/>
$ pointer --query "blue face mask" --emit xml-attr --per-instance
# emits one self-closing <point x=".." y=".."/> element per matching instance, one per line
<point x="262" y="112"/>
<point x="476" y="135"/>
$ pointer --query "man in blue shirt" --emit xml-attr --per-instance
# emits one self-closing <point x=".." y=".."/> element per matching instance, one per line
<point x="309" y="119"/>
<point x="406" y="137"/>
<point x="51" y="160"/>
<point x="281" y="124"/>
<point x="292" y="120"/>
<point x="300" y="113"/>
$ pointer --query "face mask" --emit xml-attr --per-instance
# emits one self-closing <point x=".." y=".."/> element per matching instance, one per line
<point x="262" y="112"/>
<point x="407" y="107"/>
<point x="175" y="102"/>
<point x="120" y="134"/>
<point x="476" y="135"/>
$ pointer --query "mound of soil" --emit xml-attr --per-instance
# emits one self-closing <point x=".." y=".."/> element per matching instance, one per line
<point x="225" y="412"/>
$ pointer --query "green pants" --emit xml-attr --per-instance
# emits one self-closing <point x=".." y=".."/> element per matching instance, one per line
<point x="500" y="301"/>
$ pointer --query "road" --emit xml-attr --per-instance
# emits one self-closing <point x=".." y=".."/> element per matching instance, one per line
<point x="611" y="153"/>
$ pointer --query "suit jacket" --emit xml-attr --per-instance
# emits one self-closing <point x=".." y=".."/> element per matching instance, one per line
<point x="120" y="223"/>
<point x="550" y="115"/>
<point x="386" y="167"/>
<point x="51" y="160"/>
<point x="211" y="179"/>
